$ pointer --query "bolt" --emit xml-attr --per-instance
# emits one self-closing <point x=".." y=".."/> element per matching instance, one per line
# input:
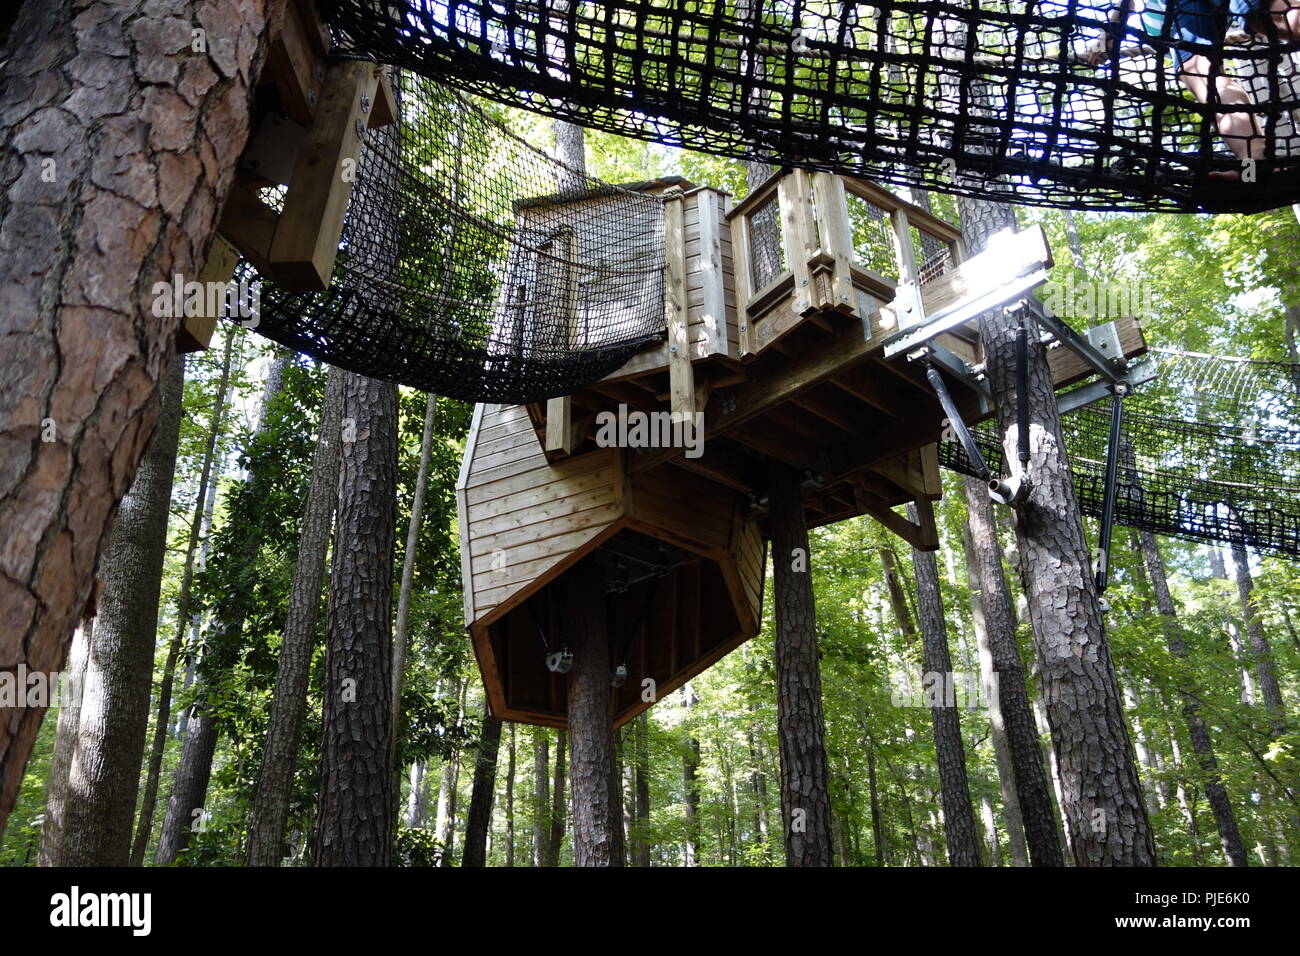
<point x="319" y="73"/>
<point x="311" y="98"/>
<point x="365" y="103"/>
<point x="361" y="130"/>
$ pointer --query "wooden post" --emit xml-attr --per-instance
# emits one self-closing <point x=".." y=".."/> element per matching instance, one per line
<point x="796" y="235"/>
<point x="559" y="427"/>
<point x="680" y="375"/>
<point x="836" y="239"/>
<point x="713" y="312"/>
<point x="195" y="331"/>
<point x="903" y="249"/>
<point x="597" y="813"/>
<point x="307" y="235"/>
<point x="740" y="254"/>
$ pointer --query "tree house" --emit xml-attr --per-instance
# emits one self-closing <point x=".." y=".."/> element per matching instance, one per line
<point x="795" y="325"/>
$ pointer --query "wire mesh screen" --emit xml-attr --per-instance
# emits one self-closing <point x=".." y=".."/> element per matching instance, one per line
<point x="873" y="236"/>
<point x="933" y="255"/>
<point x="766" y="252"/>
<point x="997" y="99"/>
<point x="1210" y="451"/>
<point x="475" y="266"/>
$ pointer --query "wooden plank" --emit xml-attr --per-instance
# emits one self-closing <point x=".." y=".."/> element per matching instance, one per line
<point x="249" y="225"/>
<point x="796" y="235"/>
<point x="1067" y="367"/>
<point x="681" y="376"/>
<point x="307" y="236"/>
<point x="831" y="205"/>
<point x="295" y="64"/>
<point x="462" y="516"/>
<point x="903" y="249"/>
<point x="545" y="530"/>
<point x="500" y="565"/>
<point x="531" y="498"/>
<point x="710" y="270"/>
<point x="1014" y="255"/>
<point x="195" y="331"/>
<point x="541" y="513"/>
<point x="922" y="537"/>
<point x="542" y="477"/>
<point x="559" y="426"/>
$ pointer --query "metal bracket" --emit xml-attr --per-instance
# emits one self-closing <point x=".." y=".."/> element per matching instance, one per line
<point x="1137" y="374"/>
<point x="963" y="311"/>
<point x="959" y="369"/>
<point x="1108" y="363"/>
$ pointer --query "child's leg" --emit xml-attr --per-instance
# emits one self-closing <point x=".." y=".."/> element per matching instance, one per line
<point x="1238" y="130"/>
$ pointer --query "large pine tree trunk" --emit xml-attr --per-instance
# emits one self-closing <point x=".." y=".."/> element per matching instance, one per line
<point x="105" y="768"/>
<point x="356" y="809"/>
<point x="1103" y="807"/>
<point x="270" y="811"/>
<point x="958" y="812"/>
<point x="139" y="174"/>
<point x="1010" y="706"/>
<point x="597" y="813"/>
<point x="1197" y="731"/>
<point x="186" y="814"/>
<point x="642" y="789"/>
<point x="65" y="742"/>
<point x="162" y="720"/>
<point x="479" y="817"/>
<point x="801" y="730"/>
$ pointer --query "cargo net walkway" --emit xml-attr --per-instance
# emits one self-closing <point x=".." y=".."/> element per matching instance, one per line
<point x="999" y="99"/>
<point x="1210" y="451"/>
<point x="439" y="285"/>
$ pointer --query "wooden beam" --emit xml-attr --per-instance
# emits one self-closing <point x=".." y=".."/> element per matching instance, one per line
<point x="559" y="427"/>
<point x="740" y="253"/>
<point x="903" y="250"/>
<point x="713" y="310"/>
<point x="1067" y="367"/>
<point x="195" y="331"/>
<point x="795" y="200"/>
<point x="307" y="237"/>
<point x="923" y="536"/>
<point x="249" y="224"/>
<point x="836" y="239"/>
<point x="681" y="377"/>
<point x="295" y="64"/>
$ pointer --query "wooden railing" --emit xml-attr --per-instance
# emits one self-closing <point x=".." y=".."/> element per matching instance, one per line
<point x="807" y="242"/>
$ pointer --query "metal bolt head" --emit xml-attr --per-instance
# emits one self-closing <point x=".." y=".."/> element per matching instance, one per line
<point x="365" y="102"/>
<point x="319" y="73"/>
<point x="311" y="97"/>
<point x="361" y="129"/>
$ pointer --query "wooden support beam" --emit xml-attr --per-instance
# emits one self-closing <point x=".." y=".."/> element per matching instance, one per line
<point x="195" y="331"/>
<point x="295" y="63"/>
<point x="740" y="253"/>
<point x="923" y="536"/>
<point x="249" y="224"/>
<point x="681" y="377"/>
<point x="1068" y="367"/>
<point x="559" y="427"/>
<point x="836" y="239"/>
<point x="713" y="308"/>
<point x="795" y="199"/>
<point x="903" y="249"/>
<point x="307" y="237"/>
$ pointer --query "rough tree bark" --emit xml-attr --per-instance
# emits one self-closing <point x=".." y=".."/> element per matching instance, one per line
<point x="642" y="789"/>
<point x="356" y="810"/>
<point x="270" y="811"/>
<point x="1103" y="806"/>
<point x="119" y="143"/>
<point x="958" y="813"/>
<point x="65" y="741"/>
<point x="186" y="814"/>
<point x="558" y="802"/>
<point x="541" y="796"/>
<point x="479" y="817"/>
<point x="104" y="776"/>
<point x="690" y="787"/>
<point x="597" y="813"/>
<point x="801" y="730"/>
<point x="144" y="826"/>
<point x="997" y="616"/>
<point x="1197" y="731"/>
<point x="1270" y="692"/>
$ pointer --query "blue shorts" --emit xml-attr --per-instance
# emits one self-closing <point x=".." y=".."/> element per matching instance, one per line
<point x="1204" y="22"/>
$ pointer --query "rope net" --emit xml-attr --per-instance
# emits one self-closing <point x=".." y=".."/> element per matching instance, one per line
<point x="475" y="266"/>
<point x="1210" y="451"/>
<point x="996" y="99"/>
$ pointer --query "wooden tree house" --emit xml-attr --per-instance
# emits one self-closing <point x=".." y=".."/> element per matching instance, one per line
<point x="793" y="326"/>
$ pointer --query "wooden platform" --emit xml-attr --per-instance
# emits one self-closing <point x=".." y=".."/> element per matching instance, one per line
<point x="776" y="316"/>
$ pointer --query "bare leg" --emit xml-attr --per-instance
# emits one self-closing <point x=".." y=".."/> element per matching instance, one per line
<point x="1286" y="19"/>
<point x="1238" y="130"/>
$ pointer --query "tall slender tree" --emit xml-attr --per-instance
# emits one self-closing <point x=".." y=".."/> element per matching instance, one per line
<point x="65" y="741"/>
<point x="270" y="811"/>
<point x="478" y="819"/>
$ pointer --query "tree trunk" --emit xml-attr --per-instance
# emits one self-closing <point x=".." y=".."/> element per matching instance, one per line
<point x="690" y="786"/>
<point x="186" y="813"/>
<point x="105" y="767"/>
<point x="541" y="797"/>
<point x="149" y="799"/>
<point x="805" y="790"/>
<point x="270" y="811"/>
<point x="1265" y="667"/>
<point x="597" y="815"/>
<point x="414" y="817"/>
<point x="1103" y="805"/>
<point x="897" y="596"/>
<point x="356" y="807"/>
<point x="1234" y="852"/>
<point x="408" y="568"/>
<point x="558" y="803"/>
<point x="991" y="679"/>
<point x="877" y="819"/>
<point x="65" y="742"/>
<point x="1219" y="570"/>
<point x="642" y="789"/>
<point x="958" y="813"/>
<point x="510" y="801"/>
<point x="85" y="353"/>
<point x="479" y="817"/>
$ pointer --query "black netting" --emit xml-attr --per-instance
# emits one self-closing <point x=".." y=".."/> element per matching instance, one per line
<point x="993" y="98"/>
<point x="1215" y="446"/>
<point x="475" y="266"/>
